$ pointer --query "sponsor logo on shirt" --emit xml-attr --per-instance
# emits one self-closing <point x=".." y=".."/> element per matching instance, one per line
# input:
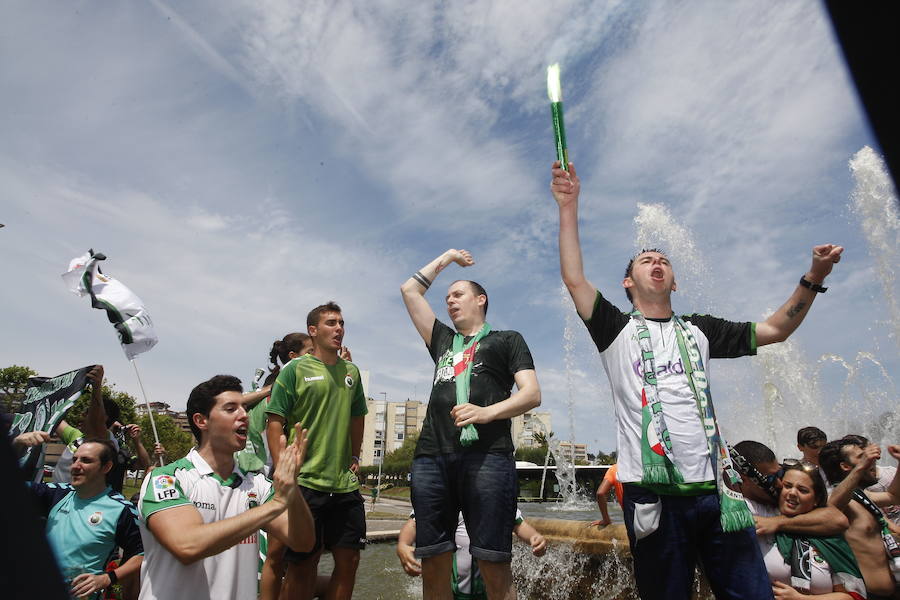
<point x="205" y="505"/>
<point x="253" y="539"/>
<point x="95" y="518"/>
<point x="669" y="368"/>
<point x="252" y="500"/>
<point x="164" y="488"/>
<point x="314" y="378"/>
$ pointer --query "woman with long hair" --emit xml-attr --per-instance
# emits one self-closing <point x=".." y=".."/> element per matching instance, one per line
<point x="804" y="565"/>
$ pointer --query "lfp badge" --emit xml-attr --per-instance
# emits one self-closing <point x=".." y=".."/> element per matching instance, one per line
<point x="164" y="488"/>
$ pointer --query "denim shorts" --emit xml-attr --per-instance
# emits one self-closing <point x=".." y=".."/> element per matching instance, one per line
<point x="483" y="486"/>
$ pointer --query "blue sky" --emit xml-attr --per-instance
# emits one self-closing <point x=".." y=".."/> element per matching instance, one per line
<point x="242" y="162"/>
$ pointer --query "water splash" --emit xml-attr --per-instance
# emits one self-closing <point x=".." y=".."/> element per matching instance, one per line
<point x="874" y="201"/>
<point x="562" y="574"/>
<point x="656" y="228"/>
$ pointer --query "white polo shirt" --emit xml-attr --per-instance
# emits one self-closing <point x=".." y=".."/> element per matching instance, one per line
<point x="231" y="574"/>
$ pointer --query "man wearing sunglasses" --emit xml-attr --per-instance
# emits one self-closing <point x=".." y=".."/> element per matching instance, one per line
<point x="761" y="482"/>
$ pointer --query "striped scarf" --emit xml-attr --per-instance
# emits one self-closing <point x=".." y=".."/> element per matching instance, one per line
<point x="657" y="459"/>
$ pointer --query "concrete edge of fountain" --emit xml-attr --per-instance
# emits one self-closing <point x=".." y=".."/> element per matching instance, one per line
<point x="583" y="536"/>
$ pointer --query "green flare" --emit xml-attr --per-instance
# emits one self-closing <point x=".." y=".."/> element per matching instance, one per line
<point x="559" y="131"/>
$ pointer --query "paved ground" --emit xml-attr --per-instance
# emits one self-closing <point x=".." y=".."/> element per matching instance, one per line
<point x="382" y="529"/>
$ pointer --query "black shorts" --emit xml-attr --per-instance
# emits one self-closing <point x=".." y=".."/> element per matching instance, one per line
<point x="340" y="522"/>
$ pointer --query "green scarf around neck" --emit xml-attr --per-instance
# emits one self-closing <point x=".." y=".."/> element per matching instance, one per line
<point x="657" y="458"/>
<point x="463" y="359"/>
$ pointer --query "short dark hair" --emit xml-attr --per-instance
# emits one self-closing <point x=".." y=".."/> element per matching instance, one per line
<point x="478" y="290"/>
<point x="107" y="452"/>
<point x="819" y="490"/>
<point x="113" y="411"/>
<point x="631" y="266"/>
<point x="809" y="435"/>
<point x="832" y="455"/>
<point x="313" y="317"/>
<point x="755" y="452"/>
<point x="203" y="397"/>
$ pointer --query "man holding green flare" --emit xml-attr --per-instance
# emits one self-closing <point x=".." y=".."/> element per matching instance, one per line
<point x="464" y="458"/>
<point x="672" y="459"/>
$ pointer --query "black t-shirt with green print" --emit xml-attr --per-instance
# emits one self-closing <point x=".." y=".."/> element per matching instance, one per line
<point x="500" y="355"/>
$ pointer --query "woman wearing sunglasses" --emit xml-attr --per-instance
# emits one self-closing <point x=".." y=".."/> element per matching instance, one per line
<point x="800" y="565"/>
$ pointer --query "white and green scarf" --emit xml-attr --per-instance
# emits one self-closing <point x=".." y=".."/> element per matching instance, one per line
<point x="657" y="459"/>
<point x="463" y="359"/>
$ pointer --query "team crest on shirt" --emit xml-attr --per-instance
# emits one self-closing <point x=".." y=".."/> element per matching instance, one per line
<point x="349" y="381"/>
<point x="164" y="488"/>
<point x="252" y="500"/>
<point x="95" y="518"/>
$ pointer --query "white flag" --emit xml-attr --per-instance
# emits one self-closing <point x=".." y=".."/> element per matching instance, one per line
<point x="123" y="308"/>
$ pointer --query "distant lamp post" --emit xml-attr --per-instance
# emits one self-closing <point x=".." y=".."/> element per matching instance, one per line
<point x="383" y="444"/>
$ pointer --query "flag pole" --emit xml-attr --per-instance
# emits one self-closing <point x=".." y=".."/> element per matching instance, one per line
<point x="149" y="410"/>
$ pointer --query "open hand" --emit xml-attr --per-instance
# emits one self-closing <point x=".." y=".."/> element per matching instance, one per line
<point x="601" y="523"/>
<point x="345" y="354"/>
<point x="565" y="185"/>
<point x="824" y="259"/>
<point x="468" y="413"/>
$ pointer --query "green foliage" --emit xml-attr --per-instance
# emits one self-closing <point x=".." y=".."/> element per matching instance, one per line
<point x="607" y="459"/>
<point x="535" y="455"/>
<point x="400" y="460"/>
<point x="125" y="401"/>
<point x="176" y="441"/>
<point x="13" y="381"/>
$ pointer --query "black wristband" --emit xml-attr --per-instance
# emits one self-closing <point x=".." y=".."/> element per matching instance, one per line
<point x="812" y="286"/>
<point x="113" y="578"/>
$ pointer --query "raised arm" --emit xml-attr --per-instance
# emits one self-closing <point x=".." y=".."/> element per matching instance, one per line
<point x="414" y="288"/>
<point x="566" y="187"/>
<point x="786" y="319"/>
<point x="526" y="397"/>
<point x="251" y="399"/>
<point x="143" y="458"/>
<point x="842" y="494"/>
<point x="94" y="423"/>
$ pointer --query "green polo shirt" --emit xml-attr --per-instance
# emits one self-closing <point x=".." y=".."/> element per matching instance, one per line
<point x="322" y="398"/>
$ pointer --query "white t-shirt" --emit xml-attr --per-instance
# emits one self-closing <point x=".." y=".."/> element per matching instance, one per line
<point x="758" y="509"/>
<point x="615" y="336"/>
<point x="231" y="574"/>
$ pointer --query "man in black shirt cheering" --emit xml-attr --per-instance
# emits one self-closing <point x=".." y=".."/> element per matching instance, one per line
<point x="464" y="458"/>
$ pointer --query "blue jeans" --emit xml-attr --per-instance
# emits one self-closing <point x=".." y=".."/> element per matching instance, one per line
<point x="483" y="486"/>
<point x="689" y="531"/>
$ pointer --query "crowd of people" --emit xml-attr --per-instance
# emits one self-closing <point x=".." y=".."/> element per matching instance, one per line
<point x="278" y="466"/>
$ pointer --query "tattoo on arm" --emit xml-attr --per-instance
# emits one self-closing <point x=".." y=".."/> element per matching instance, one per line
<point x="795" y="309"/>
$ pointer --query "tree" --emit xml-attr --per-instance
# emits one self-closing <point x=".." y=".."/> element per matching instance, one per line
<point x="535" y="455"/>
<point x="400" y="460"/>
<point x="13" y="381"/>
<point x="176" y="441"/>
